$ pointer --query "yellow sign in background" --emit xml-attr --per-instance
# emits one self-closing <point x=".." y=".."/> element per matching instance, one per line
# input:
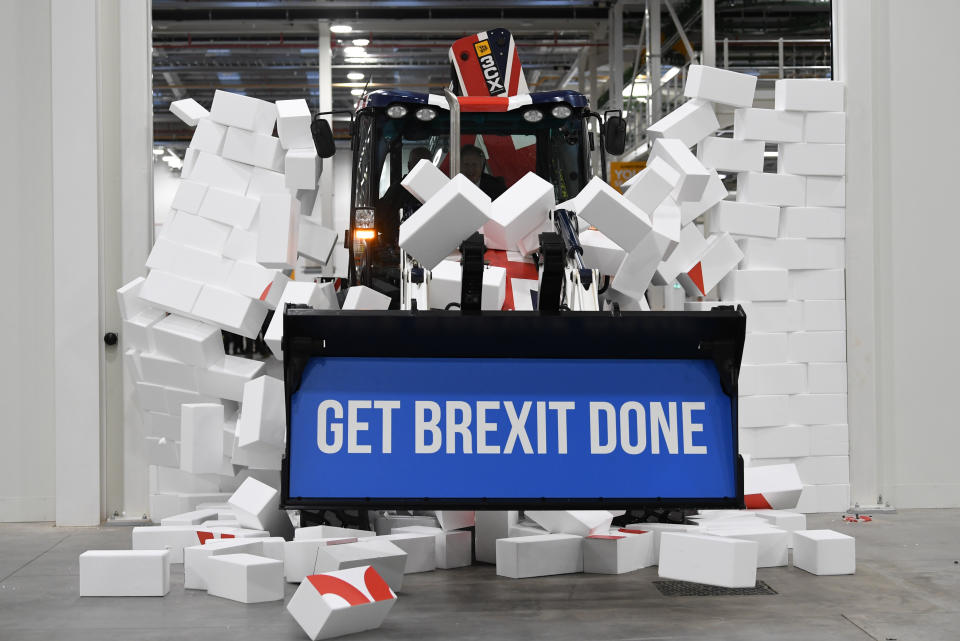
<point x="621" y="172"/>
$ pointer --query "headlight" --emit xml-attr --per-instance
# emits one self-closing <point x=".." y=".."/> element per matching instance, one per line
<point x="561" y="111"/>
<point x="533" y="115"/>
<point x="426" y="114"/>
<point x="396" y="111"/>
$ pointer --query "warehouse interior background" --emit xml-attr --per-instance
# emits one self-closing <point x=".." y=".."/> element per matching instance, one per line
<point x="92" y="151"/>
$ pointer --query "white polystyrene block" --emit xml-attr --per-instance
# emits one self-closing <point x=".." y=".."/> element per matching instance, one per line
<point x="189" y="196"/>
<point x="128" y="298"/>
<point x="230" y="310"/>
<point x="818" y="409"/>
<point x="824" y="126"/>
<point x="770" y="189"/>
<point x="424" y="180"/>
<point x="698" y="558"/>
<point x="298" y="293"/>
<point x="519" y="210"/>
<point x="713" y="194"/>
<point x="278" y="230"/>
<point x="388" y="559"/>
<point x="718" y="259"/>
<point x="767" y="125"/>
<point x="667" y="222"/>
<point x="720" y="86"/>
<point x="257" y="507"/>
<point x="208" y="137"/>
<point x="244" y="577"/>
<point x="244" y="112"/>
<point x="792" y="253"/>
<point x="493" y="288"/>
<point x="259" y="150"/>
<point x="187" y="340"/>
<point x="492" y="525"/>
<point x="161" y="451"/>
<point x="161" y="424"/>
<point x="455" y="519"/>
<point x="525" y="528"/>
<point x="227" y="378"/>
<point x="229" y="208"/>
<point x="762" y="411"/>
<point x="341" y="602"/>
<point x="241" y="245"/>
<point x="384" y="523"/>
<point x="188" y="262"/>
<point x="329" y="532"/>
<point x="825" y="191"/>
<point x="772" y="486"/>
<point x="196" y="232"/>
<point x="617" y="552"/>
<point x="813" y="222"/>
<point x="694" y="175"/>
<point x="263" y="420"/>
<point x="812" y="159"/>
<point x="257" y="282"/>
<point x="316" y="242"/>
<point x="362" y="297"/>
<point x="824" y="315"/>
<point x="217" y="171"/>
<point x="825" y="470"/>
<point x="691" y="246"/>
<point x="609" y="211"/>
<point x="772" y="379"/>
<point x="543" y="555"/>
<point x="808" y="94"/>
<point x="648" y="189"/>
<point x="195" y="558"/>
<point x="666" y="298"/>
<point x="785" y="441"/>
<point x="688" y="124"/>
<point x="579" y="522"/>
<point x="824" y="552"/>
<point x="189" y="161"/>
<point x="201" y="438"/>
<point x="293" y="124"/>
<point x="302" y="168"/>
<point x="151" y="397"/>
<point x="194" y="517"/>
<point x="162" y="370"/>
<point x="766" y="347"/>
<point x="265" y="181"/>
<point x="601" y="253"/>
<point x="637" y="269"/>
<point x="451" y="548"/>
<point x="772" y="543"/>
<point x="300" y="556"/>
<point x="419" y="546"/>
<point x="189" y="111"/>
<point x="744" y="219"/>
<point x="125" y="573"/>
<point x="165" y="537"/>
<point x="774" y="316"/>
<point x="784" y="520"/>
<point x="137" y="332"/>
<point x="827" y="378"/>
<point x="755" y="285"/>
<point x="451" y="215"/>
<point x="819" y="284"/>
<point x="727" y="154"/>
<point x="818" y="347"/>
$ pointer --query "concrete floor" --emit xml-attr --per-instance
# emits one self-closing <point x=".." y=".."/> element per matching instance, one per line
<point x="907" y="586"/>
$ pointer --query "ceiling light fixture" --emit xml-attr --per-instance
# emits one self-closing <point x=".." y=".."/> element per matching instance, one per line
<point x="361" y="42"/>
<point x="341" y="28"/>
<point x="355" y="75"/>
<point x="354" y="51"/>
<point x="356" y="92"/>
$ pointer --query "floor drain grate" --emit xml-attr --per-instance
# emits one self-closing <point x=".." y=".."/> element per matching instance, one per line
<point x="684" y="588"/>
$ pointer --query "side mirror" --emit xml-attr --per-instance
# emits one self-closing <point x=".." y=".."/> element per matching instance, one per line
<point x="322" y="137"/>
<point x="614" y="135"/>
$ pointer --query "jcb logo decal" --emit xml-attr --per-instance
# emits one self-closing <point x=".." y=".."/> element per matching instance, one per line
<point x="490" y="72"/>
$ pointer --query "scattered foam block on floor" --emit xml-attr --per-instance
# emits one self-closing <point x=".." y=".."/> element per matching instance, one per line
<point x="720" y="86"/>
<point x="492" y="525"/>
<point x="689" y="123"/>
<point x="277" y="241"/>
<point x="767" y="125"/>
<point x="616" y="552"/>
<point x="824" y="552"/>
<point x="195" y="557"/>
<point x="362" y="297"/>
<point x="316" y="242"/>
<point x="451" y="548"/>
<point x="300" y="556"/>
<point x="208" y="137"/>
<point x="727" y="154"/>
<point x="241" y="111"/>
<point x="302" y="168"/>
<point x="419" y="546"/>
<point x="165" y="537"/>
<point x="201" y="438"/>
<point x="227" y="378"/>
<point x="195" y="517"/>
<point x="718" y="259"/>
<point x="525" y="528"/>
<point x="388" y="559"/>
<point x="808" y="94"/>
<point x="784" y="520"/>
<point x="772" y="543"/>
<point x="744" y="219"/>
<point x="767" y="487"/>
<point x="519" y="210"/>
<point x="257" y="507"/>
<point x="230" y="310"/>
<point x="650" y="187"/>
<point x="657" y="529"/>
<point x="329" y="532"/>
<point x="341" y="602"/>
<point x="579" y="522"/>
<point x="125" y="573"/>
<point x="455" y="519"/>
<point x="694" y="176"/>
<point x="244" y="578"/>
<point x="601" y="253"/>
<point x="298" y="293"/>
<point x="188" y="110"/>
<point x="461" y="206"/>
<point x="609" y="211"/>
<point x="189" y="196"/>
<point x="543" y="555"/>
<point x="782" y="190"/>
<point x="384" y="523"/>
<point x="293" y="124"/>
<point x="812" y="159"/>
<point x="189" y="341"/>
<point x="424" y="180"/>
<point x="710" y="560"/>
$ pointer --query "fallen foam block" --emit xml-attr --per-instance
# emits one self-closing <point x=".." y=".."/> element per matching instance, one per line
<point x="824" y="552"/>
<point x="165" y="537"/>
<point x="277" y="232"/>
<point x="519" y="210"/>
<point x="666" y="298"/>
<point x="208" y="137"/>
<point x="230" y="310"/>
<point x="329" y="532"/>
<point x="195" y="557"/>
<point x="698" y="558"/>
<point x="241" y="111"/>
<point x="424" y="180"/>
<point x="241" y="245"/>
<point x="727" y="154"/>
<point x="188" y="110"/>
<point x="257" y="282"/>
<point x="650" y="187"/>
<point x="744" y="219"/>
<point x="770" y="189"/>
<point x="201" y="438"/>
<point x="258" y="507"/>
<point x="718" y="259"/>
<point x="720" y="86"/>
<point x="419" y="546"/>
<point x="189" y="196"/>
<point x="227" y="378"/>
<point x="713" y="194"/>
<point x="264" y="418"/>
<point x="492" y="525"/>
<point x="301" y="168"/>
<point x="451" y="548"/>
<point x="341" y="602"/>
<point x="812" y="159"/>
<point x="128" y="297"/>
<point x="300" y="556"/>
<point x="601" y="253"/>
<point x="691" y="246"/>
<point x="525" y="528"/>
<point x="244" y="578"/>
<point x="767" y="125"/>
<point x="688" y="124"/>
<point x="637" y="270"/>
<point x="772" y="543"/>
<point x="388" y="559"/>
<point x="784" y="520"/>
<point x="808" y="94"/>
<point x="316" y="242"/>
<point x="450" y="216"/>
<point x="362" y="297"/>
<point x="610" y="212"/>
<point x="188" y="341"/>
<point x="229" y="208"/>
<point x="543" y="555"/>
<point x="298" y="293"/>
<point x="125" y="573"/>
<point x="774" y="487"/>
<point x="195" y="517"/>
<point x="217" y="171"/>
<point x="293" y="124"/>
<point x="617" y="552"/>
<point x="579" y="522"/>
<point x="384" y="523"/>
<point x="455" y="519"/>
<point x="694" y="176"/>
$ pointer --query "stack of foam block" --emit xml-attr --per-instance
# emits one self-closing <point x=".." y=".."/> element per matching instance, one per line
<point x="790" y="228"/>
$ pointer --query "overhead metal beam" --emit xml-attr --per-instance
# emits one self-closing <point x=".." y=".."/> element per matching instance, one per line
<point x="680" y="30"/>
